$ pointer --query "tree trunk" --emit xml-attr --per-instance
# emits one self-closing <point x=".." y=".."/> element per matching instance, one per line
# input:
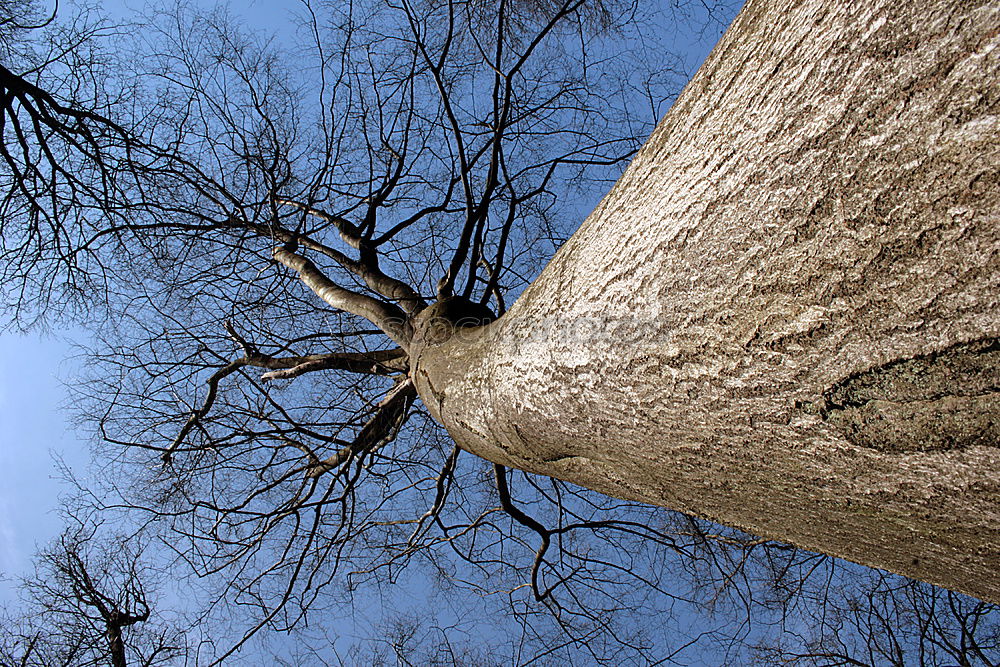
<point x="784" y="316"/>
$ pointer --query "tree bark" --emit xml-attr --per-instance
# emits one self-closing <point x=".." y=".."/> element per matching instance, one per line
<point x="784" y="316"/>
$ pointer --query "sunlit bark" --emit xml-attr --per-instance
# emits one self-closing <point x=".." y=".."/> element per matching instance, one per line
<point x="784" y="315"/>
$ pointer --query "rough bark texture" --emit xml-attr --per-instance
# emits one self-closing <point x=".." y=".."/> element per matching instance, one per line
<point x="784" y="316"/>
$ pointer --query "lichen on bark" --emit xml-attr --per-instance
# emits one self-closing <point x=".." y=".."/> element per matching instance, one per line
<point x="943" y="400"/>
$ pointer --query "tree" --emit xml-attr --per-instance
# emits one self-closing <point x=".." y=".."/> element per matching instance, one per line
<point x="886" y="621"/>
<point x="86" y="605"/>
<point x="243" y="240"/>
<point x="789" y="301"/>
<point x="60" y="149"/>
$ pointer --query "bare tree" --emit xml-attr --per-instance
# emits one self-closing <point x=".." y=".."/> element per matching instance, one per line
<point x="60" y="152"/>
<point x="283" y="240"/>
<point x="88" y="603"/>
<point x="845" y="616"/>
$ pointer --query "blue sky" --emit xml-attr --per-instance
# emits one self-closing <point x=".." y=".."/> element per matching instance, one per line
<point x="34" y="429"/>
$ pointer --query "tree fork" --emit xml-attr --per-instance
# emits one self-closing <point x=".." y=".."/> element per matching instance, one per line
<point x="784" y="316"/>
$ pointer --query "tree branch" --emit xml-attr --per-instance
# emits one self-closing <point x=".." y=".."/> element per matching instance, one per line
<point x="379" y="430"/>
<point x="198" y="415"/>
<point x="515" y="513"/>
<point x="366" y="268"/>
<point x="348" y="231"/>
<point x="386" y="316"/>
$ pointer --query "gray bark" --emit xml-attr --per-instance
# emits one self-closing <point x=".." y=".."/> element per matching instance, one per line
<point x="784" y="316"/>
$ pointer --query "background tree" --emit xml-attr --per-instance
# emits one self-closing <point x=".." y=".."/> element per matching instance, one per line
<point x="58" y="91"/>
<point x="89" y="603"/>
<point x="876" y="619"/>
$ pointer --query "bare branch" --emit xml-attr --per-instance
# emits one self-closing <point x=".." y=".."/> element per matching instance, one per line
<point x="377" y="431"/>
<point x="348" y="231"/>
<point x="198" y="415"/>
<point x="387" y="317"/>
